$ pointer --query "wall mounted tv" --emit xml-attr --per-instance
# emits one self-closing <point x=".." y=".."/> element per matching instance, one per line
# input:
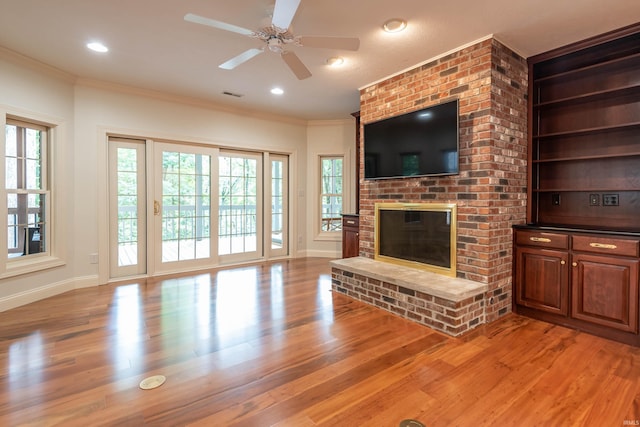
<point x="420" y="143"/>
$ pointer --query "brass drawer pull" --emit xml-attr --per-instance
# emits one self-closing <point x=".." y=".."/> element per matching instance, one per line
<point x="563" y="262"/>
<point x="540" y="239"/>
<point x="602" y="245"/>
<point x="351" y="222"/>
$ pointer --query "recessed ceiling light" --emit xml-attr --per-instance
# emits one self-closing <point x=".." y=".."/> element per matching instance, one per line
<point x="394" y="25"/>
<point x="97" y="47"/>
<point x="335" y="61"/>
<point x="277" y="91"/>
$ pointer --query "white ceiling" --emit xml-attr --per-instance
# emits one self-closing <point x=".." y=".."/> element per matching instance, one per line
<point x="152" y="47"/>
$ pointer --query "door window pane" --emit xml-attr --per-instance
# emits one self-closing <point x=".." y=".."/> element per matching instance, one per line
<point x="277" y="204"/>
<point x="185" y="206"/>
<point x="238" y="205"/>
<point x="127" y="199"/>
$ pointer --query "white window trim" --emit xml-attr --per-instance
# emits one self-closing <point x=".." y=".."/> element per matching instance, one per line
<point x="331" y="236"/>
<point x="57" y="208"/>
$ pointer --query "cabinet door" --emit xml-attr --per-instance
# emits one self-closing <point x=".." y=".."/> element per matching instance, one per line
<point x="542" y="279"/>
<point x="350" y="242"/>
<point x="605" y="291"/>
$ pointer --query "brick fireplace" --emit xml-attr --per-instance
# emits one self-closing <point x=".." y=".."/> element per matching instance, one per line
<point x="490" y="82"/>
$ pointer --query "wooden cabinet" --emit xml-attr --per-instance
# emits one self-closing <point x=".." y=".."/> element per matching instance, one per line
<point x="542" y="280"/>
<point x="604" y="284"/>
<point x="576" y="263"/>
<point x="584" y="280"/>
<point x="605" y="291"/>
<point x="350" y="236"/>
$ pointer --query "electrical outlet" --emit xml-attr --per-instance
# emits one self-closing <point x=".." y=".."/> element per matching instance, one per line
<point x="594" y="200"/>
<point x="610" y="200"/>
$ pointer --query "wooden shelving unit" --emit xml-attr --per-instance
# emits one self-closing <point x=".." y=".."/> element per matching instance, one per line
<point x="584" y="186"/>
<point x="584" y="133"/>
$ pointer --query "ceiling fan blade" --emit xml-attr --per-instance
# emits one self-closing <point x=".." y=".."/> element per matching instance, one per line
<point x="197" y="19"/>
<point x="283" y="13"/>
<point x="243" y="57"/>
<point x="342" y="43"/>
<point x="294" y="63"/>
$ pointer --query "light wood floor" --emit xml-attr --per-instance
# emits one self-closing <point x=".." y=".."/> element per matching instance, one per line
<point x="272" y="345"/>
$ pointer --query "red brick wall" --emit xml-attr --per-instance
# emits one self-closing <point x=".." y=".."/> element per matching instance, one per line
<point x="490" y="82"/>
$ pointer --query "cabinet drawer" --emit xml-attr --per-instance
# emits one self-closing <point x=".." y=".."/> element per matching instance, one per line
<point x="542" y="239"/>
<point x="350" y="221"/>
<point x="606" y="245"/>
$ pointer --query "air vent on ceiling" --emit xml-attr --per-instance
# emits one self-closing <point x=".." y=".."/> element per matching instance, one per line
<point x="237" y="95"/>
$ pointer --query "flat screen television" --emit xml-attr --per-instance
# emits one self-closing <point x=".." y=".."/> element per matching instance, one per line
<point x="420" y="143"/>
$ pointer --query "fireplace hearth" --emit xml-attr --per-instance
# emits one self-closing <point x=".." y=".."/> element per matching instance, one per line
<point x="419" y="235"/>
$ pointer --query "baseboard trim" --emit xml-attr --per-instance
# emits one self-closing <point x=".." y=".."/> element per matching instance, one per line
<point x="311" y="253"/>
<point x="46" y="291"/>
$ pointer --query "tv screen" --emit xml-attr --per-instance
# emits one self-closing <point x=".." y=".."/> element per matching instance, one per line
<point x="420" y="143"/>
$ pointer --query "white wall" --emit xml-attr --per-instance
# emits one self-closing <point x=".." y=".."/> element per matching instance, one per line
<point x="91" y="110"/>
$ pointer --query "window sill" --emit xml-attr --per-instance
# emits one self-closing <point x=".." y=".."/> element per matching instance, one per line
<point x="25" y="266"/>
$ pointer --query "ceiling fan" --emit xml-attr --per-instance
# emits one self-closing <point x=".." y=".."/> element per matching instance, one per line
<point x="276" y="37"/>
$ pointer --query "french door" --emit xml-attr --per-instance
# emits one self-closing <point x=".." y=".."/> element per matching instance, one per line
<point x="127" y="208"/>
<point x="175" y="207"/>
<point x="240" y="211"/>
<point x="182" y="206"/>
<point x="278" y="220"/>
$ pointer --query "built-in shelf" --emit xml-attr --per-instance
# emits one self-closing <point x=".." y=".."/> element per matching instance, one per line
<point x="588" y="68"/>
<point x="591" y="96"/>
<point x="593" y="157"/>
<point x="572" y="265"/>
<point x="585" y="131"/>
<point x="582" y="190"/>
<point x="584" y="112"/>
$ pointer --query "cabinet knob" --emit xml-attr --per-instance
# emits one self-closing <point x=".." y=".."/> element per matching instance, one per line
<point x="575" y="264"/>
<point x="563" y="262"/>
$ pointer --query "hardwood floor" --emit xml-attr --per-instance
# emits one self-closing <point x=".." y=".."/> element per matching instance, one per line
<point x="271" y="345"/>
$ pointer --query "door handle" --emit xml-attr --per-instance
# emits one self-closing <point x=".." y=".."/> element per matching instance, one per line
<point x="156" y="207"/>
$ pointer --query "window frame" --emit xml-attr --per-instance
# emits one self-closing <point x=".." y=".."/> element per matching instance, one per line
<point x="23" y="189"/>
<point x="337" y="233"/>
<point x="52" y="256"/>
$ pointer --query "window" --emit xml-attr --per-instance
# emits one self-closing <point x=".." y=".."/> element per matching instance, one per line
<point x="26" y="188"/>
<point x="330" y="193"/>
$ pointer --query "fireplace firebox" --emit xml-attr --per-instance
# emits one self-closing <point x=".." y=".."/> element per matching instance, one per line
<point x="419" y="235"/>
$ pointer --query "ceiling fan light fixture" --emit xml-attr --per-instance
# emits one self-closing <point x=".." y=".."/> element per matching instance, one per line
<point x="275" y="45"/>
<point x="394" y="25"/>
<point x="335" y="61"/>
